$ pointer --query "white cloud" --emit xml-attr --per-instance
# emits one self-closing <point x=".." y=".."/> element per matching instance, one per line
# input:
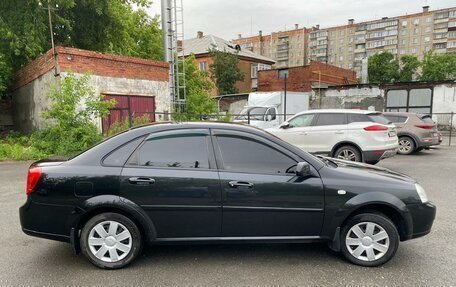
<point x="227" y="19"/>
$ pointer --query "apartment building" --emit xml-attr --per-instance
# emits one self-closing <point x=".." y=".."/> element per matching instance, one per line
<point x="347" y="45"/>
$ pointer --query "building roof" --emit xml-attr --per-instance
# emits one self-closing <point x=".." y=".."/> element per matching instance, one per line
<point x="202" y="45"/>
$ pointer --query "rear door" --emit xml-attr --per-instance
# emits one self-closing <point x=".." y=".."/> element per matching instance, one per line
<point x="262" y="196"/>
<point x="173" y="177"/>
<point x="328" y="130"/>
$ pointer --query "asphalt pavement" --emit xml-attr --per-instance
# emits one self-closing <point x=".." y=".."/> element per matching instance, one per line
<point x="427" y="261"/>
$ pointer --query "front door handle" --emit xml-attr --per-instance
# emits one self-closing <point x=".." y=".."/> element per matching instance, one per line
<point x="339" y="133"/>
<point x="303" y="133"/>
<point x="236" y="184"/>
<point x="141" y="180"/>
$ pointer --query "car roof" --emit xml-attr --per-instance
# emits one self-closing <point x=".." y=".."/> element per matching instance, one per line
<point x="347" y="111"/>
<point x="400" y="113"/>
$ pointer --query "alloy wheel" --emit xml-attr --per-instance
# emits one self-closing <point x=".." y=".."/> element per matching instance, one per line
<point x="110" y="241"/>
<point x="367" y="241"/>
<point x="347" y="154"/>
<point x="405" y="146"/>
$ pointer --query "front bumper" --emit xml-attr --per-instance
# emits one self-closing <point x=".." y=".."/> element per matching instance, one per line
<point x="423" y="216"/>
<point x="377" y="155"/>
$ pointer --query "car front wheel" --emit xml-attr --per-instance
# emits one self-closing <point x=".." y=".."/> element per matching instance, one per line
<point x="369" y="239"/>
<point x="110" y="240"/>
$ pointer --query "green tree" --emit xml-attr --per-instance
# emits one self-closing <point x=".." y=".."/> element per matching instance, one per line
<point x="198" y="88"/>
<point x="437" y="67"/>
<point x="73" y="107"/>
<point x="409" y="65"/>
<point x="383" y="68"/>
<point x="225" y="71"/>
<point x="101" y="25"/>
<point x="5" y="73"/>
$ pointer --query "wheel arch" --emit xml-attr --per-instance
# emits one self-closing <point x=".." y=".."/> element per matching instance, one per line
<point x="343" y="143"/>
<point x="372" y="202"/>
<point x="110" y="203"/>
<point x="413" y="137"/>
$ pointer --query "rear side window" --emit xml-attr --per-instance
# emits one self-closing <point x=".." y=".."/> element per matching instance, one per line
<point x="331" y="119"/>
<point x="119" y="156"/>
<point x="358" y="118"/>
<point x="246" y="155"/>
<point x="177" y="151"/>
<point x="396" y="119"/>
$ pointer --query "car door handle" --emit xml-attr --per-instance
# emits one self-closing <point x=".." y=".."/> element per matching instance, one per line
<point x="303" y="133"/>
<point x="236" y="184"/>
<point x="339" y="133"/>
<point x="141" y="180"/>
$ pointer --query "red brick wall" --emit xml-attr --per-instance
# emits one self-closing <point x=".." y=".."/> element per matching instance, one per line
<point x="300" y="79"/>
<point x="83" y="61"/>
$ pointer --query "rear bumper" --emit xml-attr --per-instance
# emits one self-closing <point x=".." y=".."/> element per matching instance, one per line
<point x="45" y="221"/>
<point x="423" y="216"/>
<point x="376" y="155"/>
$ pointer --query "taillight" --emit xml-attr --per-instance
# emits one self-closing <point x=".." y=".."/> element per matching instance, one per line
<point x="375" y="128"/>
<point x="425" y="126"/>
<point x="33" y="176"/>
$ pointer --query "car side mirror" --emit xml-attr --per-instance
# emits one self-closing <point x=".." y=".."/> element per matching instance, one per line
<point x="303" y="169"/>
<point x="268" y="118"/>
<point x="285" y="125"/>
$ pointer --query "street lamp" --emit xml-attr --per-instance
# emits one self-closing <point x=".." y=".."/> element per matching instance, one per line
<point x="283" y="74"/>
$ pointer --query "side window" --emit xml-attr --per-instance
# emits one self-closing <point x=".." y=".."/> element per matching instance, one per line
<point x="331" y="119"/>
<point x="242" y="154"/>
<point x="401" y="119"/>
<point x="393" y="119"/>
<point x="358" y="118"/>
<point x="174" y="151"/>
<point x="272" y="113"/>
<point x="301" y="121"/>
<point x="119" y="156"/>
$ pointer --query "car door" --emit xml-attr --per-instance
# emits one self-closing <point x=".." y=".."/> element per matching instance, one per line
<point x="328" y="130"/>
<point x="262" y="196"/>
<point x="172" y="175"/>
<point x="297" y="131"/>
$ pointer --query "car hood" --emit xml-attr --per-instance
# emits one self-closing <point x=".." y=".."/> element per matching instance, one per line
<point x="368" y="170"/>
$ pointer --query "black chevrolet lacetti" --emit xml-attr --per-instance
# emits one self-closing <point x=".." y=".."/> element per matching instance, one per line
<point x="218" y="182"/>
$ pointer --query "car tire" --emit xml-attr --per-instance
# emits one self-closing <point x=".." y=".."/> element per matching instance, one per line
<point x="348" y="152"/>
<point x="406" y="145"/>
<point x="369" y="239"/>
<point x="115" y="247"/>
<point x="419" y="149"/>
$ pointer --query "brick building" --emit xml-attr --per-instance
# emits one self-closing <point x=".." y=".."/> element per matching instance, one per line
<point x="249" y="63"/>
<point x="140" y="86"/>
<point x="304" y="78"/>
<point x="347" y="45"/>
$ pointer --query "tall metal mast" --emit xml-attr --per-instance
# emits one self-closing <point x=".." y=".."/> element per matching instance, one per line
<point x="173" y="49"/>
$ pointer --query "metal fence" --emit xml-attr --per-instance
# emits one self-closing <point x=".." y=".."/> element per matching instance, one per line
<point x="446" y="122"/>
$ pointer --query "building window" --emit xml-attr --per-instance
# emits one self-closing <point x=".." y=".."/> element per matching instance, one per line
<point x="404" y="32"/>
<point x="404" y="23"/>
<point x="413" y="50"/>
<point x="416" y="22"/>
<point x="402" y="52"/>
<point x="404" y="41"/>
<point x="202" y="66"/>
<point x="428" y="29"/>
<point x="341" y="41"/>
<point x="415" y="40"/>
<point x="426" y="49"/>
<point x="341" y="58"/>
<point x="254" y="68"/>
<point x="427" y="39"/>
<point x="416" y="31"/>
<point x="428" y="19"/>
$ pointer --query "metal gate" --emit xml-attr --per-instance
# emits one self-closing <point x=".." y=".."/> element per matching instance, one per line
<point x="128" y="108"/>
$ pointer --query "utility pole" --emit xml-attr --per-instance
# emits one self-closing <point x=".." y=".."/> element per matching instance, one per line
<point x="54" y="51"/>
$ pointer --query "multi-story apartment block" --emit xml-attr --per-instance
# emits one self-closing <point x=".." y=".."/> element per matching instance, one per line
<point x="347" y="45"/>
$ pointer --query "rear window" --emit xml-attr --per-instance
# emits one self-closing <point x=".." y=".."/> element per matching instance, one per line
<point x="396" y="119"/>
<point x="375" y="118"/>
<point x="427" y="119"/>
<point x="378" y="118"/>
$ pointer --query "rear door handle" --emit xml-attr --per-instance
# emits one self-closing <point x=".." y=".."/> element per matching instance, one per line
<point x="236" y="184"/>
<point x="141" y="180"/>
<point x="339" y="133"/>
<point x="303" y="133"/>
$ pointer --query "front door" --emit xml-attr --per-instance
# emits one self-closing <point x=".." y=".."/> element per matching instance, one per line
<point x="262" y="196"/>
<point x="297" y="132"/>
<point x="173" y="177"/>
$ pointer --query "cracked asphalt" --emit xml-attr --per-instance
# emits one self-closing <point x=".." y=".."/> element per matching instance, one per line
<point x="426" y="261"/>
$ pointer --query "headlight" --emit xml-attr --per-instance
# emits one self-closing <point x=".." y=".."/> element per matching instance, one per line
<point x="421" y="193"/>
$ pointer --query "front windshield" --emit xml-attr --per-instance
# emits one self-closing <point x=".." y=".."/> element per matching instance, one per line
<point x="256" y="114"/>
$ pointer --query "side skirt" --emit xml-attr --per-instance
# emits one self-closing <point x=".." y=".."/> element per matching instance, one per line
<point x="239" y="240"/>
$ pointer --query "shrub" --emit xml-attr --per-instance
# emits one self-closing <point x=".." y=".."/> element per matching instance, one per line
<point x="124" y="125"/>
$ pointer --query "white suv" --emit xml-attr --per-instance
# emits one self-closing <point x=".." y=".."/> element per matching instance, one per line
<point x="354" y="135"/>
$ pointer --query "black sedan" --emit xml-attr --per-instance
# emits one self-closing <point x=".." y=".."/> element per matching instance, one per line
<point x="216" y="182"/>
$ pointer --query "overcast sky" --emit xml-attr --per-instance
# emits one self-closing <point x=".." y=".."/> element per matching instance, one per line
<point x="228" y="18"/>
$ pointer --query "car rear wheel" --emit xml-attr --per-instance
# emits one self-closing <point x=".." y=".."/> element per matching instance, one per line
<point x="110" y="240"/>
<point x="369" y="239"/>
<point x="348" y="153"/>
<point x="406" y="145"/>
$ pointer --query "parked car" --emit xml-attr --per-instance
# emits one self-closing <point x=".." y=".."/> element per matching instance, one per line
<point x="415" y="131"/>
<point x="218" y="182"/>
<point x="355" y="135"/>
